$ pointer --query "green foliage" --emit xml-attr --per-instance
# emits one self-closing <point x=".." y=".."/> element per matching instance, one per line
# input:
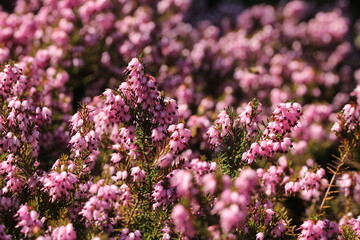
<point x="236" y="142"/>
<point x="348" y="233"/>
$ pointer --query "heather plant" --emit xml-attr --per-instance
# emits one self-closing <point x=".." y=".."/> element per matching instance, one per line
<point x="130" y="172"/>
<point x="249" y="128"/>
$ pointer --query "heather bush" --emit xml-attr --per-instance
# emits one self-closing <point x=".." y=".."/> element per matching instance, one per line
<point x="134" y="119"/>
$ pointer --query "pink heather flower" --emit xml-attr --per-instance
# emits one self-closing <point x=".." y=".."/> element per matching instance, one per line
<point x="10" y="142"/>
<point x="354" y="224"/>
<point x="14" y="183"/>
<point x="273" y="140"/>
<point x="336" y="127"/>
<point x="325" y="229"/>
<point x="215" y="232"/>
<point x="10" y="171"/>
<point x="158" y="134"/>
<point x="310" y="184"/>
<point x="12" y="81"/>
<point x="116" y="110"/>
<point x="345" y="182"/>
<point x="8" y="203"/>
<point x="64" y="233"/>
<point x="83" y="190"/>
<point x="102" y="200"/>
<point x="116" y="157"/>
<point x="292" y="187"/>
<point x="59" y="185"/>
<point x="309" y="127"/>
<point x="46" y="237"/>
<point x="60" y="38"/>
<point x="179" y="137"/>
<point x="223" y="120"/>
<point x="127" y="235"/>
<point x="3" y="235"/>
<point x="138" y="174"/>
<point x="279" y="229"/>
<point x="28" y="221"/>
<point x="274" y="177"/>
<point x="249" y="117"/>
<point x="214" y="136"/>
<point x="200" y="168"/>
<point x="120" y="176"/>
<point x="327" y="27"/>
<point x="162" y="196"/>
<point x="164" y="113"/>
<point x="260" y="236"/>
<point x="4" y="54"/>
<point x="350" y="113"/>
<point x="45" y="29"/>
<point x="166" y="230"/>
<point x="295" y="9"/>
<point x="221" y="128"/>
<point x="6" y="165"/>
<point x="268" y="216"/>
<point x="245" y="116"/>
<point x="165" y="160"/>
<point x="143" y="86"/>
<point x="356" y="93"/>
<point x="182" y="221"/>
<point x="349" y="184"/>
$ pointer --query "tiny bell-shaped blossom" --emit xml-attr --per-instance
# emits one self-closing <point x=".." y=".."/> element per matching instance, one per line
<point x="166" y="230"/>
<point x="127" y="235"/>
<point x="179" y="138"/>
<point x="116" y="157"/>
<point x="28" y="221"/>
<point x="260" y="236"/>
<point x="138" y="174"/>
<point x="165" y="160"/>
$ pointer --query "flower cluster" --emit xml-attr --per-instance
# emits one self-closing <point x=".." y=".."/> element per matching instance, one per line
<point x="264" y="214"/>
<point x="28" y="221"/>
<point x="310" y="184"/>
<point x="273" y="139"/>
<point x="104" y="199"/>
<point x="20" y="111"/>
<point x="63" y="232"/>
<point x="325" y="229"/>
<point x="149" y="163"/>
<point x="355" y="225"/>
<point x="275" y="177"/>
<point x="59" y="185"/>
<point x="224" y="124"/>
<point x="349" y="184"/>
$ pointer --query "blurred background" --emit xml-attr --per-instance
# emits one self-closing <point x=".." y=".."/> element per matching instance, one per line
<point x="214" y="6"/>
